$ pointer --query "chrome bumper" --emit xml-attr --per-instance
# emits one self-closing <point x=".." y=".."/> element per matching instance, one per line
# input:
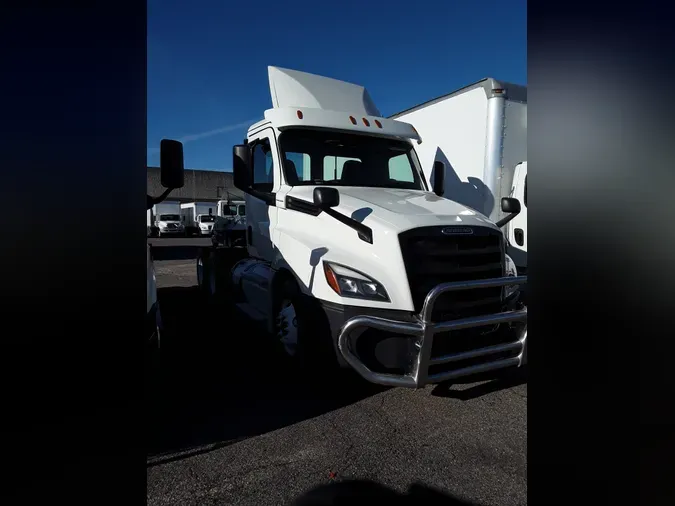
<point x="423" y="331"/>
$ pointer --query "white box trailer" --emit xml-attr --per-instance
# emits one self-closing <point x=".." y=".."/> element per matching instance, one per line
<point x="198" y="217"/>
<point x="480" y="133"/>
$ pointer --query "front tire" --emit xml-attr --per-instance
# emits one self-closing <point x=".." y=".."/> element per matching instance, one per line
<point x="301" y="334"/>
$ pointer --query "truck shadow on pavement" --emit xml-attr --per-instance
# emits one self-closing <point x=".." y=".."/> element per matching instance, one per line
<point x="219" y="382"/>
<point x="487" y="384"/>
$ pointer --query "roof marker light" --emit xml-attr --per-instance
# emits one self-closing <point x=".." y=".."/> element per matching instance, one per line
<point x="366" y="122"/>
<point x="299" y="114"/>
<point x="379" y="125"/>
<point x="352" y="119"/>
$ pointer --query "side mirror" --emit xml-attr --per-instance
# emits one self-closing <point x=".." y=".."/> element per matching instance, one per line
<point x="510" y="205"/>
<point x="241" y="167"/>
<point x="325" y="197"/>
<point x="438" y="183"/>
<point x="171" y="168"/>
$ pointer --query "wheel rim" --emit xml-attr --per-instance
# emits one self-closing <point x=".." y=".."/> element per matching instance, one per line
<point x="287" y="328"/>
<point x="200" y="272"/>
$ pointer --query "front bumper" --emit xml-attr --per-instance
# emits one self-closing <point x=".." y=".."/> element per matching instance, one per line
<point x="425" y="367"/>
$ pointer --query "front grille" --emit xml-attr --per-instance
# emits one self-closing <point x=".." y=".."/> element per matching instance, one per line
<point x="432" y="257"/>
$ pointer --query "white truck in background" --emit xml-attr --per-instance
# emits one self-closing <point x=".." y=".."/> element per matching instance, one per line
<point x="480" y="134"/>
<point x="172" y="177"/>
<point x="198" y="217"/>
<point x="167" y="219"/>
<point x="230" y="226"/>
<point x="351" y="259"/>
<point x="231" y="208"/>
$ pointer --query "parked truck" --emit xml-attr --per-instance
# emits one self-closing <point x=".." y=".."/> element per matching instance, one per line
<point x="480" y="134"/>
<point x="352" y="258"/>
<point x="172" y="177"/>
<point x="230" y="226"/>
<point x="197" y="217"/>
<point x="167" y="219"/>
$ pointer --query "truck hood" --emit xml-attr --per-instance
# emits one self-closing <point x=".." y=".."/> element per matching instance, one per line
<point x="399" y="210"/>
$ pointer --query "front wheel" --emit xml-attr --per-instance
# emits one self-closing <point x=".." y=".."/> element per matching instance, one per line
<point x="301" y="333"/>
<point x="206" y="275"/>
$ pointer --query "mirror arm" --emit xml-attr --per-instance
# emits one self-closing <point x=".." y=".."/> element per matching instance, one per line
<point x="364" y="232"/>
<point x="506" y="219"/>
<point x="156" y="200"/>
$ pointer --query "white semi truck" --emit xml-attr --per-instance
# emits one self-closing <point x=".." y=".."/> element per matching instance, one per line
<point x="351" y="258"/>
<point x="480" y="134"/>
<point x="231" y="208"/>
<point x="167" y="219"/>
<point x="172" y="177"/>
<point x="230" y="226"/>
<point x="198" y="217"/>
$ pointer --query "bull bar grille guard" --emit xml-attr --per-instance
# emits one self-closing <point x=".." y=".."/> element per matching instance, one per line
<point x="424" y="330"/>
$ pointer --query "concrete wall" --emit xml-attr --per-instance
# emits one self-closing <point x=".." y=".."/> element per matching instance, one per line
<point x="200" y="185"/>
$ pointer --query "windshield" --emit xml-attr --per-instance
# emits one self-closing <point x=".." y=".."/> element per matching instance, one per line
<point x="338" y="159"/>
<point x="207" y="219"/>
<point x="169" y="217"/>
<point x="242" y="210"/>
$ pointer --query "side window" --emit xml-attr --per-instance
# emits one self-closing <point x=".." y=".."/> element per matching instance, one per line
<point x="302" y="164"/>
<point x="525" y="190"/>
<point x="400" y="169"/>
<point x="263" y="166"/>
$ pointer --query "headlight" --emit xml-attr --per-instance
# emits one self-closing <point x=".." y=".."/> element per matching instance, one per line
<point x="350" y="283"/>
<point x="510" y="271"/>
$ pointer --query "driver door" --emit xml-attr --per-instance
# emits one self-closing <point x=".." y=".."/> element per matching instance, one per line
<point x="262" y="212"/>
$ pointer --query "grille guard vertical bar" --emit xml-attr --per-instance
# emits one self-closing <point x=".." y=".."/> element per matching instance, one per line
<point x="424" y="330"/>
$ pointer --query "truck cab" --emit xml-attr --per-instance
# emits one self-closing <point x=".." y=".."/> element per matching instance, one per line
<point x="205" y="223"/>
<point x="352" y="257"/>
<point x="168" y="221"/>
<point x="230" y="222"/>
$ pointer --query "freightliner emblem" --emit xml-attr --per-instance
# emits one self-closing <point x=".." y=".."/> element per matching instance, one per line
<point x="457" y="231"/>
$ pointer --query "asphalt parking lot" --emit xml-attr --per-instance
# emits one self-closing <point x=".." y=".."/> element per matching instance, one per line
<point x="229" y="425"/>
